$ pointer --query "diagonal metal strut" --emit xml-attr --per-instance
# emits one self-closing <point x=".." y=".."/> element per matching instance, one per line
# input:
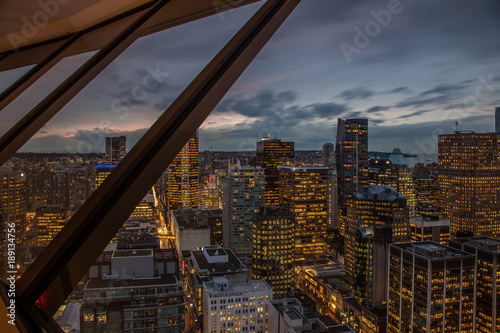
<point x="57" y="270"/>
<point x="20" y="133"/>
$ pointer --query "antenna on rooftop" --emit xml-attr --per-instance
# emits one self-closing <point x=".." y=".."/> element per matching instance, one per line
<point x="456" y="126"/>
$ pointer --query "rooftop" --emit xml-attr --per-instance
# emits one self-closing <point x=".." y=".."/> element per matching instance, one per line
<point x="168" y="279"/>
<point x="481" y="242"/>
<point x="379" y="193"/>
<point x="432" y="250"/>
<point x="232" y="265"/>
<point x="240" y="288"/>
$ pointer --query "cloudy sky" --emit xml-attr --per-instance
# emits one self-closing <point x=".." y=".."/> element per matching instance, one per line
<point x="413" y="68"/>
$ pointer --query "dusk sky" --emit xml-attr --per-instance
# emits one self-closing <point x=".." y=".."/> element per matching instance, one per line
<point x="413" y="70"/>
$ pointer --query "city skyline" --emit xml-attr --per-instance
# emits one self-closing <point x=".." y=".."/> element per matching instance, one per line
<point x="416" y="80"/>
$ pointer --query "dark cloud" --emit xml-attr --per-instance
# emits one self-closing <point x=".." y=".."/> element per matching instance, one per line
<point x="378" y="108"/>
<point x="265" y="103"/>
<point x="413" y="114"/>
<point x="356" y="93"/>
<point x="400" y="90"/>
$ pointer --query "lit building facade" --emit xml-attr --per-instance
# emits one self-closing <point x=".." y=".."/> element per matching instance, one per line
<point x="375" y="205"/>
<point x="381" y="171"/>
<point x="430" y="228"/>
<point x="136" y="291"/>
<point x="13" y="205"/>
<point x="49" y="220"/>
<point x="370" y="274"/>
<point x="273" y="240"/>
<point x="101" y="172"/>
<point x="405" y="185"/>
<point x="79" y="187"/>
<point x="116" y="149"/>
<point x="332" y="200"/>
<point x="469" y="180"/>
<point x="270" y="154"/>
<point x="210" y="262"/>
<point x="426" y="194"/>
<point x="230" y="307"/>
<point x="304" y="192"/>
<point x="182" y="187"/>
<point x="243" y="196"/>
<point x="352" y="162"/>
<point x="210" y="194"/>
<point x="431" y="289"/>
<point x="487" y="251"/>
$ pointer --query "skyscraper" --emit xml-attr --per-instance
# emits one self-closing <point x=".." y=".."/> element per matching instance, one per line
<point x="243" y="196"/>
<point x="375" y="205"/>
<point x="13" y="205"/>
<point x="431" y="289"/>
<point x="429" y="227"/>
<point x="273" y="241"/>
<point x="49" y="220"/>
<point x="270" y="154"/>
<point x="405" y="178"/>
<point x="304" y="192"/>
<point x="116" y="149"/>
<point x="352" y="162"/>
<point x="328" y="153"/>
<point x="101" y="172"/>
<point x="79" y="187"/>
<point x="182" y="187"/>
<point x="487" y="251"/>
<point x="469" y="181"/>
<point x="370" y="276"/>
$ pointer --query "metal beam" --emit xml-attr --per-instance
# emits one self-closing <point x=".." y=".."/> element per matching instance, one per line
<point x="57" y="270"/>
<point x="25" y="81"/>
<point x="31" y="123"/>
<point x="176" y="13"/>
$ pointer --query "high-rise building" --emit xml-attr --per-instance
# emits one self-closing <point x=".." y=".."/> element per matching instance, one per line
<point x="381" y="171"/>
<point x="375" y="205"/>
<point x="430" y="227"/>
<point x="304" y="192"/>
<point x="59" y="194"/>
<point x="431" y="289"/>
<point x="405" y="178"/>
<point x="352" y="162"/>
<point x="243" y="196"/>
<point x="79" y="187"/>
<point x="426" y="194"/>
<point x="328" y="154"/>
<point x="332" y="200"/>
<point x="370" y="274"/>
<point x="469" y="181"/>
<point x="270" y="154"/>
<point x="101" y="172"/>
<point x="210" y="194"/>
<point x="135" y="290"/>
<point x="13" y="204"/>
<point x="182" y="187"/>
<point x="49" y="220"/>
<point x="273" y="241"/>
<point x="236" y="307"/>
<point x="487" y="251"/>
<point x="210" y="262"/>
<point x="116" y="149"/>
